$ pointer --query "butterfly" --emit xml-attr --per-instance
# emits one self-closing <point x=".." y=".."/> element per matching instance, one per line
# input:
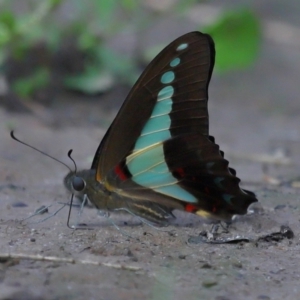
<point x="157" y="155"/>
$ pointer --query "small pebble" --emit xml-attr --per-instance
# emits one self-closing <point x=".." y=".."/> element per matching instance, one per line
<point x="237" y="264"/>
<point x="209" y="283"/>
<point x="280" y="206"/>
<point x="287" y="232"/>
<point x="19" y="204"/>
<point x="206" y="266"/>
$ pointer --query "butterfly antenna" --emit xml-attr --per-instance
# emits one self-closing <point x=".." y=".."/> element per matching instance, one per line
<point x="42" y="152"/>
<point x="69" y="155"/>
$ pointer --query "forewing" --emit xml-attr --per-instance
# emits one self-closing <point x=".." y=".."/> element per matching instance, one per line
<point x="169" y="99"/>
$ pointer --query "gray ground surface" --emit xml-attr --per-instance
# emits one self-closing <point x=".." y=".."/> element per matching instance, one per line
<point x="252" y="113"/>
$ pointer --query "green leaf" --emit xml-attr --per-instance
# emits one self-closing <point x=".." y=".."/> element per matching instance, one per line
<point x="21" y="49"/>
<point x="106" y="13"/>
<point x="8" y="19"/>
<point x="25" y="87"/>
<point x="30" y="22"/>
<point x="2" y="57"/>
<point x="93" y="81"/>
<point x="55" y="3"/>
<point x="122" y="66"/>
<point x="237" y="39"/>
<point x="130" y="5"/>
<point x="87" y="41"/>
<point x="7" y="27"/>
<point x="181" y="6"/>
<point x="54" y="38"/>
<point x="5" y="35"/>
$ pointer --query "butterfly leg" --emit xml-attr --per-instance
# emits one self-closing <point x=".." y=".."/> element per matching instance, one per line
<point x="212" y="236"/>
<point x="141" y="219"/>
<point x="39" y="211"/>
<point x="213" y="233"/>
<point x="82" y="205"/>
<point x="106" y="214"/>
<point x="216" y="226"/>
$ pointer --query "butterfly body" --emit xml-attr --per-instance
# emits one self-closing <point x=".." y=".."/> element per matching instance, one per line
<point x="110" y="201"/>
<point x="158" y="156"/>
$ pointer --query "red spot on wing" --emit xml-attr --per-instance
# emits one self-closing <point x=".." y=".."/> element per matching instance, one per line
<point x="190" y="208"/>
<point x="120" y="172"/>
<point x="179" y="173"/>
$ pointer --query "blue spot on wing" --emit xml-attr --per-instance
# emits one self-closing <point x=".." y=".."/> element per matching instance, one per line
<point x="145" y="160"/>
<point x="177" y="192"/>
<point x="156" y="124"/>
<point x="153" y="180"/>
<point x="227" y="197"/>
<point x="162" y="108"/>
<point x="148" y="140"/>
<point x="182" y="47"/>
<point x="167" y="77"/>
<point x="208" y="166"/>
<point x="165" y="93"/>
<point x="218" y="181"/>
<point x="157" y="127"/>
<point x="149" y="169"/>
<point x="175" y="62"/>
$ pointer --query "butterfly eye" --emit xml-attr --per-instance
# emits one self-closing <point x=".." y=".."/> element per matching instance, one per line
<point x="78" y="184"/>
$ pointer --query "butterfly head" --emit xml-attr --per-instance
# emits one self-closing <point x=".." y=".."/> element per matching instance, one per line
<point x="83" y="183"/>
<point x="77" y="182"/>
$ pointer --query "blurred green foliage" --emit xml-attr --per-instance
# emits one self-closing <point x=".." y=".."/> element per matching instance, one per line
<point x="91" y="23"/>
<point x="18" y="32"/>
<point x="28" y="85"/>
<point x="237" y="38"/>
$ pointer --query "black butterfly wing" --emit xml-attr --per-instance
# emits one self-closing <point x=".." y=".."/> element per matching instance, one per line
<point x="191" y="59"/>
<point x="200" y="168"/>
<point x="158" y="152"/>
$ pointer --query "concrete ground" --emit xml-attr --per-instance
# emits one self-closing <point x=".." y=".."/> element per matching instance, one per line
<point x="254" y="115"/>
